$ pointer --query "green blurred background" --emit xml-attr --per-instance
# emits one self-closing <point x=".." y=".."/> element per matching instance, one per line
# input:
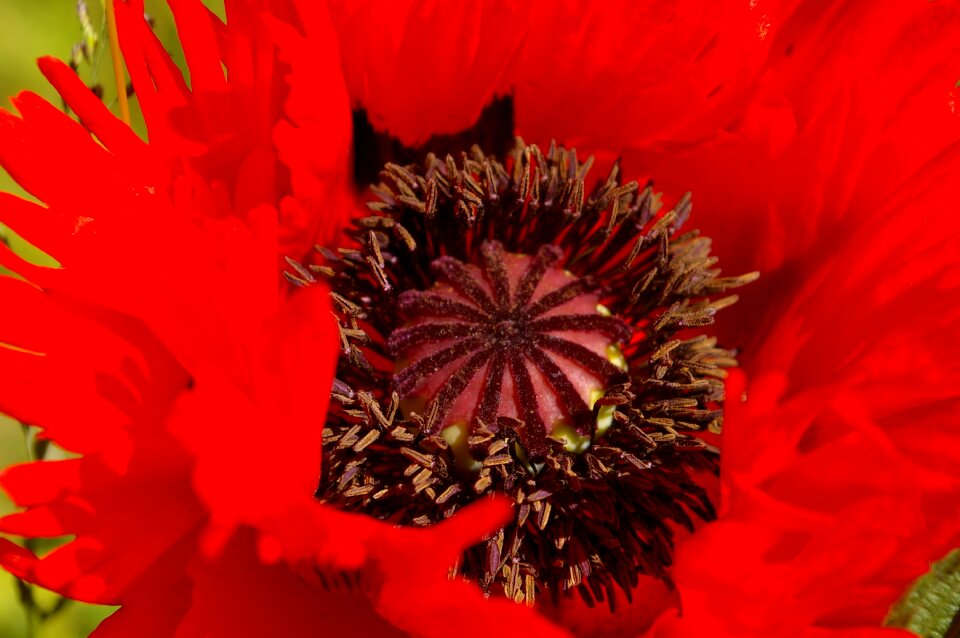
<point x="30" y="29"/>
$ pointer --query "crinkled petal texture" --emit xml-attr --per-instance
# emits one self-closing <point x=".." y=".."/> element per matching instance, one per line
<point x="248" y="130"/>
<point x="842" y="467"/>
<point x="165" y="353"/>
<point x="596" y="76"/>
<point x="822" y="145"/>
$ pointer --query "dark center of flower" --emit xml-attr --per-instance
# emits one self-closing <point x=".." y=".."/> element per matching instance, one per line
<point x="506" y="328"/>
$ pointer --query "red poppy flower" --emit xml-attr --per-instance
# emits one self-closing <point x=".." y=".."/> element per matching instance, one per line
<point x="821" y="147"/>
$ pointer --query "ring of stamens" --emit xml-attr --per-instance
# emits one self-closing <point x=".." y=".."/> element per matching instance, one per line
<point x="590" y="521"/>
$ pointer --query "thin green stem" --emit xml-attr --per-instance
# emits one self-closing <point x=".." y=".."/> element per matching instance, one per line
<point x="118" y="75"/>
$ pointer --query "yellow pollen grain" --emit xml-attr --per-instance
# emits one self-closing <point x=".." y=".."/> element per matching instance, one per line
<point x="456" y="436"/>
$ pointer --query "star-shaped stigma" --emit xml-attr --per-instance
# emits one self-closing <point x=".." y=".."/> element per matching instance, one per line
<point x="519" y="338"/>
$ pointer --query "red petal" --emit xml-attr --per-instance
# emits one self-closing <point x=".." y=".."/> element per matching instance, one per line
<point x="422" y="69"/>
<point x="602" y="77"/>
<point x="91" y="110"/>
